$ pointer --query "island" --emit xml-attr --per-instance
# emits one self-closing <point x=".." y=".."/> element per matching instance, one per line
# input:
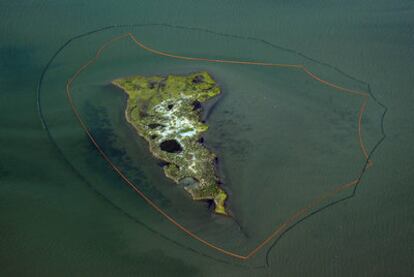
<point x="167" y="112"/>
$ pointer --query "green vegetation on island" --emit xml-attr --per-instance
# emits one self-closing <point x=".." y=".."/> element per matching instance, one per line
<point x="166" y="112"/>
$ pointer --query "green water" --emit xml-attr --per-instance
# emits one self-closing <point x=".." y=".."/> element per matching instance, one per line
<point x="283" y="139"/>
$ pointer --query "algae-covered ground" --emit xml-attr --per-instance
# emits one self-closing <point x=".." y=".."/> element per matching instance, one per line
<point x="166" y="111"/>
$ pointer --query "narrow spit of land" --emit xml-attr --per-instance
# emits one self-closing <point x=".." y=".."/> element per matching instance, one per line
<point x="166" y="112"/>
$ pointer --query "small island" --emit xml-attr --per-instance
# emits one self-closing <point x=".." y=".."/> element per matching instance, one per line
<point x="166" y="112"/>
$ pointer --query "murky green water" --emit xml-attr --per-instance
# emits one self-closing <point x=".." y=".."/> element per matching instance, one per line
<point x="283" y="140"/>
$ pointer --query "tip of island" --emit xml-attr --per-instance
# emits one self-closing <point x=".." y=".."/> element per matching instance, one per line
<point x="166" y="112"/>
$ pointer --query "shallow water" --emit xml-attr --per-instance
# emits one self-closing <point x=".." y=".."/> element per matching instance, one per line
<point x="283" y="140"/>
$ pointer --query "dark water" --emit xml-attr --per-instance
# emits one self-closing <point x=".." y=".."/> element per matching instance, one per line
<point x="283" y="139"/>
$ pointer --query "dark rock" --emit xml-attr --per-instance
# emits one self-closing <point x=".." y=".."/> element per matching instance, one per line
<point x="162" y="84"/>
<point x="155" y="125"/>
<point x="196" y="105"/>
<point x="162" y="163"/>
<point x="151" y="84"/>
<point x="198" y="79"/>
